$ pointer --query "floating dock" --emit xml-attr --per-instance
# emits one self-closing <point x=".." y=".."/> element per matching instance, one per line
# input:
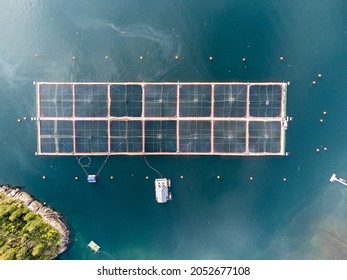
<point x="162" y="192"/>
<point x="93" y="246"/>
<point x="342" y="181"/>
<point x="229" y="119"/>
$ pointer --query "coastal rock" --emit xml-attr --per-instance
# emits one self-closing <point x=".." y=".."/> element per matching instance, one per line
<point x="50" y="216"/>
<point x="35" y="206"/>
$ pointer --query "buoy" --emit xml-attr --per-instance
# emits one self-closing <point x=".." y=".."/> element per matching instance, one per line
<point x="106" y="57"/>
<point x="218" y="177"/>
<point x="43" y="177"/>
<point x="313" y="82"/>
<point x="324" y="113"/>
<point x="25" y="118"/>
<point x="321" y="120"/>
<point x="76" y="178"/>
<point x="111" y="177"/>
<point x="210" y="58"/>
<point x="251" y="178"/>
<point x="73" y="57"/>
<point x="319" y="75"/>
<point x="18" y="120"/>
<point x="317" y="150"/>
<point x="281" y="57"/>
<point x="146" y="177"/>
<point x="176" y="57"/>
<point x="325" y="148"/>
<point x="141" y="57"/>
<point x="181" y="177"/>
<point x="284" y="179"/>
<point x="244" y="59"/>
<point x="36" y="55"/>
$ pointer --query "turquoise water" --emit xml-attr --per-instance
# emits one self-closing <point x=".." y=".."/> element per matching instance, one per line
<point x="230" y="218"/>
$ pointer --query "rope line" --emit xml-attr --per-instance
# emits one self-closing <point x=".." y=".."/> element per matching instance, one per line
<point x="107" y="254"/>
<point x="151" y="167"/>
<point x="102" y="166"/>
<point x="78" y="160"/>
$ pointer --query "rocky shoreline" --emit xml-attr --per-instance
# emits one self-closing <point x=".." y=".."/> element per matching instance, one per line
<point x="50" y="216"/>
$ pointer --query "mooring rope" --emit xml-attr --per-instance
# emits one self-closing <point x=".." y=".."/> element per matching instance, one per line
<point x="102" y="166"/>
<point x="107" y="254"/>
<point x="151" y="167"/>
<point x="80" y="164"/>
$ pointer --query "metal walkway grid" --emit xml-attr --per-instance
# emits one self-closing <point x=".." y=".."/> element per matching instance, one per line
<point x="161" y="118"/>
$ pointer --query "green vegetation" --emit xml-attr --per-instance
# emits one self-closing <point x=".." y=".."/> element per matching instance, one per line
<point x="24" y="235"/>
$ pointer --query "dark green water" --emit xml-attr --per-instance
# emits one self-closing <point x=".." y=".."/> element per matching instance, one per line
<point x="231" y="218"/>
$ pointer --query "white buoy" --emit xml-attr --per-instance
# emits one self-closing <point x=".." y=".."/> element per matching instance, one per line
<point x="324" y="113"/>
<point x="73" y="57"/>
<point x="284" y="179"/>
<point x="76" y="178"/>
<point x="18" y="120"/>
<point x="317" y="150"/>
<point x="146" y="177"/>
<point x="325" y="148"/>
<point x="181" y="177"/>
<point x="321" y="120"/>
<point x="36" y="55"/>
<point x="281" y="57"/>
<point x="106" y="57"/>
<point x="251" y="178"/>
<point x="141" y="57"/>
<point x="43" y="177"/>
<point x="243" y="59"/>
<point x="313" y="82"/>
<point x="176" y="57"/>
<point x="25" y="118"/>
<point x="111" y="177"/>
<point x="218" y="177"/>
<point x="319" y="75"/>
<point x="210" y="58"/>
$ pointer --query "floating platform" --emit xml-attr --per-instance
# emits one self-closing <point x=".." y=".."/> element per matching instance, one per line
<point x="162" y="193"/>
<point x="229" y="119"/>
<point x="342" y="181"/>
<point x="93" y="246"/>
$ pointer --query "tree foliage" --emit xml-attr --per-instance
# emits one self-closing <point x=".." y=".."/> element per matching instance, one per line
<point x="24" y="234"/>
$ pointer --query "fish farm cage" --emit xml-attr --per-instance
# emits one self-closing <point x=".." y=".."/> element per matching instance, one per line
<point x="139" y="118"/>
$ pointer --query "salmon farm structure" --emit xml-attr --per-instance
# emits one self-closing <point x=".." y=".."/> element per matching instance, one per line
<point x="140" y="118"/>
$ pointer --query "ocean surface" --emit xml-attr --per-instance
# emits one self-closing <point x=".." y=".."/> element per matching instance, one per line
<point x="232" y="217"/>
